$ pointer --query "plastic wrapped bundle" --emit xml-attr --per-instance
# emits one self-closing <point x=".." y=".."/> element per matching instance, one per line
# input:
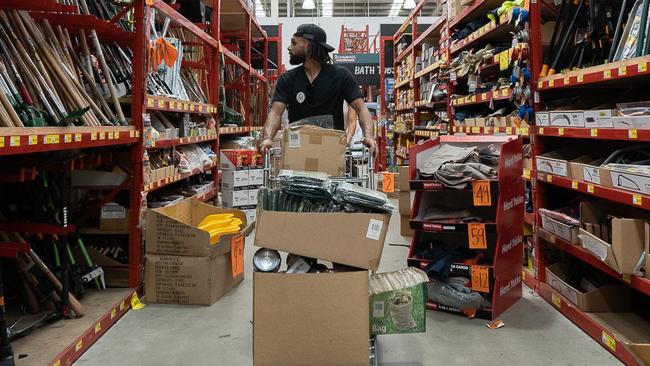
<point x="314" y="185"/>
<point x="278" y="200"/>
<point x="352" y="196"/>
<point x="455" y="293"/>
<point x="391" y="281"/>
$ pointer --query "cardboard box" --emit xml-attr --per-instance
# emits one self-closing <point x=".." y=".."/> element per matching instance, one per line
<point x="601" y="118"/>
<point x="235" y="179"/>
<point x="116" y="274"/>
<point x="480" y="121"/>
<point x="631" y="122"/>
<point x="647" y="250"/>
<point x="114" y="217"/>
<point x="406" y="202"/>
<point x="630" y="179"/>
<point x="235" y="159"/>
<point x="252" y="196"/>
<point x="235" y="198"/>
<point x="256" y="177"/>
<point x="315" y="319"/>
<point x="404" y="178"/>
<point x="172" y="230"/>
<point x="557" y="162"/>
<point x="310" y="148"/>
<point x="542" y="119"/>
<point x="564" y="231"/>
<point x="384" y="313"/>
<point x="627" y="235"/>
<point x="604" y="298"/>
<point x="251" y="216"/>
<point x="187" y="280"/>
<point x="470" y="122"/>
<point x="353" y="239"/>
<point x="567" y="119"/>
<point x="594" y="173"/>
<point x="405" y="226"/>
<point x="631" y="329"/>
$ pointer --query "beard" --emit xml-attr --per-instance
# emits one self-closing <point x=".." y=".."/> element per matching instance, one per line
<point x="296" y="59"/>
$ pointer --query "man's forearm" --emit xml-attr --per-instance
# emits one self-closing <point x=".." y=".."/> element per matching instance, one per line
<point x="367" y="124"/>
<point x="271" y="126"/>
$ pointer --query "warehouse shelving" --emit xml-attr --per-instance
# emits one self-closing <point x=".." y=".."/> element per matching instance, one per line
<point x="480" y="130"/>
<point x="482" y="98"/>
<point x="490" y="32"/>
<point x="631" y="134"/>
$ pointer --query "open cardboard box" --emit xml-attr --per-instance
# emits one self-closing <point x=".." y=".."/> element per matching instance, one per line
<point x="558" y="162"/>
<point x="353" y="239"/>
<point x="311" y="148"/>
<point x="593" y="172"/>
<point x="604" y="298"/>
<point x="311" y="319"/>
<point x="627" y="232"/>
<point x="631" y="329"/>
<point x="564" y="231"/>
<point x="631" y="179"/>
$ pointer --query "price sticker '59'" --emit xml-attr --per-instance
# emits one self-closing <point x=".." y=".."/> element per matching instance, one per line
<point x="388" y="182"/>
<point x="481" y="193"/>
<point x="481" y="278"/>
<point x="476" y="235"/>
<point x="237" y="255"/>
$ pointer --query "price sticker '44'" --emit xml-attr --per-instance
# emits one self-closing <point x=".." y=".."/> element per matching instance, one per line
<point x="476" y="236"/>
<point x="481" y="193"/>
<point x="388" y="182"/>
<point x="481" y="278"/>
<point x="237" y="255"/>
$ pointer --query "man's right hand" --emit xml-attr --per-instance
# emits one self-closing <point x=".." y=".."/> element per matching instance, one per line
<point x="265" y="145"/>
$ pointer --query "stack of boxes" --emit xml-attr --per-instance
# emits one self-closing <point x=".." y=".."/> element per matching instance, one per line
<point x="242" y="175"/>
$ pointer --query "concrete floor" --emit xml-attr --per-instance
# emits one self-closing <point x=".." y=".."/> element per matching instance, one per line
<point x="534" y="333"/>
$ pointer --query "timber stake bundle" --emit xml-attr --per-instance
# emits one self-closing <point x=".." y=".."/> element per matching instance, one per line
<point x="43" y="81"/>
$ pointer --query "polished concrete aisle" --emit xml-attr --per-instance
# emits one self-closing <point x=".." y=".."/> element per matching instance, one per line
<point x="534" y="333"/>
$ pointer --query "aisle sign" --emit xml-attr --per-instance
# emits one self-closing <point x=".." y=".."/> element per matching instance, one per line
<point x="480" y="278"/>
<point x="476" y="235"/>
<point x="388" y="182"/>
<point x="481" y="193"/>
<point x="364" y="66"/>
<point x="237" y="255"/>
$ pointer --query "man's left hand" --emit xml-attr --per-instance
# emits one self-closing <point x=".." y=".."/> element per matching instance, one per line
<point x="371" y="145"/>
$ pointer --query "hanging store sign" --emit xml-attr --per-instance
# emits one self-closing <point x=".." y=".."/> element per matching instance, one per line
<point x="364" y="66"/>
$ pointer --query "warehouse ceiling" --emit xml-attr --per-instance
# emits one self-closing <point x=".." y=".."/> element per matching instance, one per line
<point x="344" y="8"/>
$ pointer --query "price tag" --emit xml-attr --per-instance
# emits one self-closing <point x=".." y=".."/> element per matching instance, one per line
<point x="505" y="92"/>
<point x="237" y="255"/>
<point x="13" y="141"/>
<point x="78" y="137"/>
<point x="122" y="306"/>
<point x="481" y="193"/>
<point x="93" y="136"/>
<point x="172" y="104"/>
<point x="79" y="345"/>
<point x="622" y="71"/>
<point x="567" y="80"/>
<point x="480" y="278"/>
<point x="574" y="184"/>
<point x="117" y="135"/>
<point x="137" y="133"/>
<point x="113" y="313"/>
<point x="637" y="200"/>
<point x="581" y="78"/>
<point x="590" y="188"/>
<point x="609" y="341"/>
<point x="508" y="130"/>
<point x="527" y="173"/>
<point x="523" y="131"/>
<point x="476" y="130"/>
<point x="32" y="140"/>
<point x="607" y="74"/>
<point x="473" y="99"/>
<point x="111" y="135"/>
<point x="186" y="107"/>
<point x="632" y="134"/>
<point x="102" y="135"/>
<point x="57" y="363"/>
<point x="149" y="102"/>
<point x="131" y="134"/>
<point x="476" y="236"/>
<point x="549" y="178"/>
<point x="643" y="67"/>
<point x="98" y="328"/>
<point x="67" y="138"/>
<point x="557" y="300"/>
<point x="594" y="132"/>
<point x="561" y="131"/>
<point x="540" y="130"/>
<point x="504" y="61"/>
<point x="536" y="98"/>
<point x="388" y="182"/>
<point x="551" y="83"/>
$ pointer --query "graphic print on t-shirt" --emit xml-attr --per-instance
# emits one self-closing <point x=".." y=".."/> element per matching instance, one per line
<point x="300" y="97"/>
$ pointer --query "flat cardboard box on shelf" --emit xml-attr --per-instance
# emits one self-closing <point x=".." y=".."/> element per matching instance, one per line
<point x="594" y="173"/>
<point x="114" y="217"/>
<point x="564" y="231"/>
<point x="406" y="202"/>
<point x="542" y="119"/>
<point x="627" y="235"/>
<point x="353" y="239"/>
<point x="314" y="319"/>
<point x="235" y="198"/>
<point x="557" y="162"/>
<point x="631" y="122"/>
<point x="570" y="118"/>
<point x="235" y="178"/>
<point x="256" y="177"/>
<point x="310" y="148"/>
<point x="631" y="179"/>
<point x="480" y="121"/>
<point x="405" y="226"/>
<point x="604" y="298"/>
<point x="600" y="118"/>
<point x="470" y="122"/>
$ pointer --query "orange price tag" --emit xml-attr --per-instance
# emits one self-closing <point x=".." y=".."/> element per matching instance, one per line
<point x="237" y="255"/>
<point x="481" y="193"/>
<point x="388" y="182"/>
<point x="481" y="278"/>
<point x="476" y="236"/>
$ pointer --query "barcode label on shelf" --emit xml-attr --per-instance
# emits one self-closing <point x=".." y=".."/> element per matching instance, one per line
<point x="590" y="188"/>
<point x="607" y="74"/>
<point x="574" y="184"/>
<point x="33" y="140"/>
<point x="67" y="138"/>
<point x="560" y="131"/>
<point x="609" y="341"/>
<point x="77" y="137"/>
<point x="374" y="229"/>
<point x="79" y="345"/>
<point x="378" y="309"/>
<point x="93" y="136"/>
<point x="294" y="140"/>
<point x="557" y="300"/>
<point x="581" y="78"/>
<point x="14" y="141"/>
<point x="594" y="132"/>
<point x="637" y="200"/>
<point x="549" y="178"/>
<point x="643" y="67"/>
<point x="98" y="328"/>
<point x="632" y="134"/>
<point x="622" y="71"/>
<point x="113" y="313"/>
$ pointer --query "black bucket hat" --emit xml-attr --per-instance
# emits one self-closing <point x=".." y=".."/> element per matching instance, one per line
<point x="314" y="33"/>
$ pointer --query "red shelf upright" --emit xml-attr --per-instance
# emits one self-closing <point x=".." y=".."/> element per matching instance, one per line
<point x="498" y="242"/>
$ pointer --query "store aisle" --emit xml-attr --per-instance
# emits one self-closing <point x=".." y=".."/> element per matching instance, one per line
<point x="535" y="333"/>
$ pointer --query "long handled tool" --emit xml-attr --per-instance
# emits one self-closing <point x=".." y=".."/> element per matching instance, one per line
<point x="556" y="30"/>
<point x="565" y="39"/>
<point x="643" y="27"/>
<point x="618" y="31"/>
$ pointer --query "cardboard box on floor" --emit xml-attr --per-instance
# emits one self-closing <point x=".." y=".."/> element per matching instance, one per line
<point x="310" y="148"/>
<point x="310" y="319"/>
<point x="353" y="239"/>
<point x="181" y="266"/>
<point x="604" y="298"/>
<point x="628" y="235"/>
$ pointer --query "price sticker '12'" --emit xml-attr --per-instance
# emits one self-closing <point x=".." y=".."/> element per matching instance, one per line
<point x="388" y="182"/>
<point x="476" y="236"/>
<point x="237" y="255"/>
<point x="481" y="278"/>
<point x="481" y="193"/>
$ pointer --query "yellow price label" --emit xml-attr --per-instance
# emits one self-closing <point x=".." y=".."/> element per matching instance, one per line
<point x="473" y="99"/>
<point x="622" y="71"/>
<point x="561" y="131"/>
<point x="111" y="135"/>
<point x="504" y="61"/>
<point x="113" y="313"/>
<point x="98" y="328"/>
<point x="476" y="130"/>
<point x="551" y="83"/>
<point x="632" y="134"/>
<point x="186" y="107"/>
<point x="523" y="131"/>
<point x="14" y="141"/>
<point x="567" y="80"/>
<point x="643" y="67"/>
<point x="505" y="92"/>
<point x="508" y="130"/>
<point x="79" y="345"/>
<point x="590" y="188"/>
<point x="137" y="133"/>
<point x="637" y="200"/>
<point x="549" y="178"/>
<point x="32" y="140"/>
<point x="540" y="130"/>
<point x="78" y="137"/>
<point x="2" y="141"/>
<point x="67" y="138"/>
<point x="93" y="136"/>
<point x="557" y="300"/>
<point x="484" y="96"/>
<point x="609" y="341"/>
<point x="122" y="306"/>
<point x="131" y="134"/>
<point x="527" y="173"/>
<point x="149" y="102"/>
<point x="581" y="78"/>
<point x="102" y="135"/>
<point x="172" y="104"/>
<point x="574" y="184"/>
<point x="57" y="363"/>
<point x="594" y="132"/>
<point x="607" y="74"/>
<point x="116" y="135"/>
<point x="540" y="84"/>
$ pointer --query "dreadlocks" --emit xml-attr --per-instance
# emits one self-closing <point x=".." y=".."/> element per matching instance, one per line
<point x="317" y="52"/>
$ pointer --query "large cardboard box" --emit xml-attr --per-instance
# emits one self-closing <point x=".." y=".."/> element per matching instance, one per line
<point x="310" y="148"/>
<point x="235" y="198"/>
<point x="404" y="178"/>
<point x="592" y="172"/>
<point x="604" y="298"/>
<point x="406" y="202"/>
<point x="231" y="179"/>
<point x="310" y="319"/>
<point x="631" y="179"/>
<point x="571" y="118"/>
<point x="114" y="217"/>
<point x="631" y="122"/>
<point x="557" y="162"/>
<point x="405" y="226"/>
<point x="627" y="235"/>
<point x="353" y="239"/>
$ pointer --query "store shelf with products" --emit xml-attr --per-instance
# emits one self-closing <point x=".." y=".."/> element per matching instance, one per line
<point x="491" y="32"/>
<point x="629" y="134"/>
<point x="477" y="130"/>
<point x="160" y="144"/>
<point x="502" y="94"/>
<point x="476" y="10"/>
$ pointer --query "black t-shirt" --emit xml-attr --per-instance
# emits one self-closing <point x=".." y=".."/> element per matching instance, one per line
<point x="324" y="96"/>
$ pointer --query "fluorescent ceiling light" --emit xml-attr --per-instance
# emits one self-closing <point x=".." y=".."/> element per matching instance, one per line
<point x="308" y="4"/>
<point x="259" y="9"/>
<point x="409" y="4"/>
<point x="395" y="8"/>
<point x="327" y="7"/>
